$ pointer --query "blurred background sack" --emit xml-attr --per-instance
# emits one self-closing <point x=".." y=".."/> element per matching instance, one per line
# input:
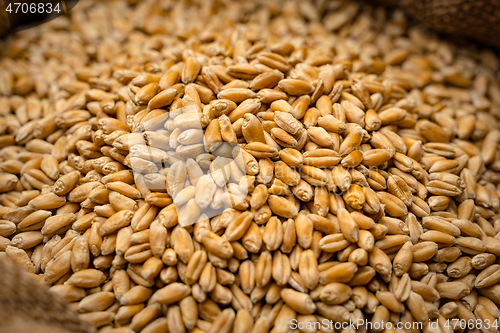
<point x="478" y="20"/>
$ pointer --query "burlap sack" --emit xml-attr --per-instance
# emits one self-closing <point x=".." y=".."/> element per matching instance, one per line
<point x="4" y="21"/>
<point x="26" y="305"/>
<point x="475" y="19"/>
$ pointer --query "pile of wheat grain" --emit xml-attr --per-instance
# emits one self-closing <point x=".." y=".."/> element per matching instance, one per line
<point x="222" y="166"/>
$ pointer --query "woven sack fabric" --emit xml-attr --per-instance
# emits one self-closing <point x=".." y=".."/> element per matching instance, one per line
<point x="475" y="19"/>
<point x="27" y="306"/>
